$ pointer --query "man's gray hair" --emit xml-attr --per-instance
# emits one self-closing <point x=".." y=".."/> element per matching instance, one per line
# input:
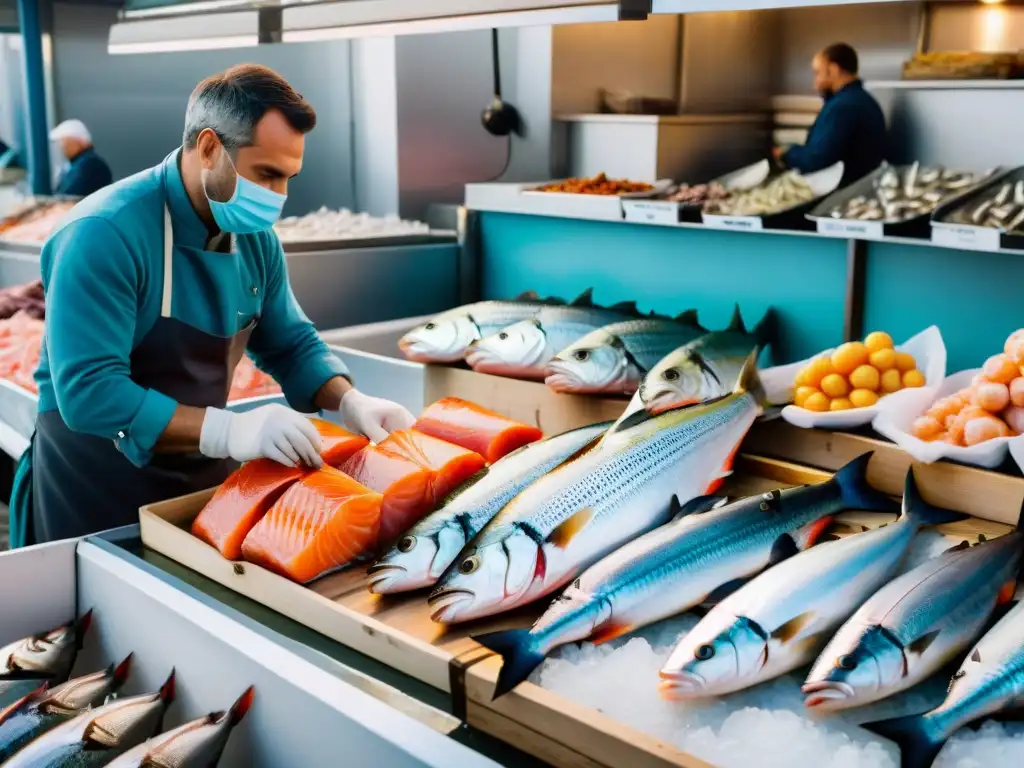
<point x="233" y="102"/>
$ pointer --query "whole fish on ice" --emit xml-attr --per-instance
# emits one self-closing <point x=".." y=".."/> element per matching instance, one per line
<point x="629" y="483"/>
<point x="698" y="558"/>
<point x="445" y="338"/>
<point x="198" y="744"/>
<point x="524" y="349"/>
<point x="613" y="359"/>
<point x="424" y="553"/>
<point x="990" y="681"/>
<point x="706" y="367"/>
<point x="46" y="710"/>
<point x="97" y="736"/>
<point x="915" y="625"/>
<point x="782" y="619"/>
<point x="50" y="655"/>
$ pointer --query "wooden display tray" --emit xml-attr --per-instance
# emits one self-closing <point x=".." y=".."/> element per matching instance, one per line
<point x="398" y="630"/>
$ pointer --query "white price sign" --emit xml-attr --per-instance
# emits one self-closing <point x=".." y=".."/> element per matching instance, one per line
<point x="737" y="223"/>
<point x="966" y="237"/>
<point x="848" y="228"/>
<point x="651" y="211"/>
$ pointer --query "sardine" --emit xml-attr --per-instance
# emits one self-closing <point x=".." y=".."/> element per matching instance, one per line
<point x="446" y="337"/>
<point x="50" y="655"/>
<point x="989" y="681"/>
<point x="593" y="504"/>
<point x="782" y="619"/>
<point x="915" y="625"/>
<point x="198" y="744"/>
<point x="707" y="367"/>
<point x="424" y="553"/>
<point x="97" y="736"/>
<point x="615" y="358"/>
<point x="903" y="194"/>
<point x="46" y="710"/>
<point x="524" y="349"/>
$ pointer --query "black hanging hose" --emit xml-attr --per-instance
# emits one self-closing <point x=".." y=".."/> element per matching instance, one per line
<point x="495" y="64"/>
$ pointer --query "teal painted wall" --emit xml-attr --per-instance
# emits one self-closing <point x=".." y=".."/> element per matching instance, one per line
<point x="669" y="270"/>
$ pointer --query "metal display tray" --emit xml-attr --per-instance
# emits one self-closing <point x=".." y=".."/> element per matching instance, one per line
<point x="944" y="213"/>
<point x="306" y="713"/>
<point x="434" y="237"/>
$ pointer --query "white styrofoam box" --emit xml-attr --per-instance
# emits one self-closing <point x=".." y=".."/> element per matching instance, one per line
<point x="515" y="198"/>
<point x="38" y="591"/>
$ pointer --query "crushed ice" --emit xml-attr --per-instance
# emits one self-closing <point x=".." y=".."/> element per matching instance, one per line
<point x="765" y="726"/>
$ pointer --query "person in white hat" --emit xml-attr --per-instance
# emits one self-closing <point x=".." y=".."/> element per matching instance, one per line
<point x="86" y="171"/>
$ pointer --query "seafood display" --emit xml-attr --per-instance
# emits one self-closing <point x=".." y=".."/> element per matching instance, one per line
<point x="784" y="191"/>
<point x="27" y="298"/>
<point x="1001" y="208"/>
<point x="49" y="656"/>
<point x="695" y="194"/>
<point x="36" y="224"/>
<point x="326" y="224"/>
<point x="477" y="429"/>
<point x="899" y="194"/>
<point x="614" y="359"/>
<point x="596" y="185"/>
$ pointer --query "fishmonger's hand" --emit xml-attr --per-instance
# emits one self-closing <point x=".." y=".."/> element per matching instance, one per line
<point x="272" y="432"/>
<point x="374" y="417"/>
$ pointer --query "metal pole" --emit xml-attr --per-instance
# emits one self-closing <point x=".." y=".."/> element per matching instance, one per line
<point x="35" y="93"/>
<point x="856" y="277"/>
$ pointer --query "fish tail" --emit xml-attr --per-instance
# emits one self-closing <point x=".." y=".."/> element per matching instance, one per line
<point x="120" y="674"/>
<point x="857" y="493"/>
<point x="750" y="381"/>
<point x="918" y="747"/>
<point x="766" y="332"/>
<point x="520" y="657"/>
<point x="919" y="511"/>
<point x="167" y="690"/>
<point x="82" y="628"/>
<point x="242" y="706"/>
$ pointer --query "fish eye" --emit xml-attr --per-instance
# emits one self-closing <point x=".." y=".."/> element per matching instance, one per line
<point x="846" y="662"/>
<point x="469" y="565"/>
<point x="670" y="375"/>
<point x="503" y="336"/>
<point x="704" y="652"/>
<point x="406" y="544"/>
<point x="429" y="327"/>
<point x="581" y="355"/>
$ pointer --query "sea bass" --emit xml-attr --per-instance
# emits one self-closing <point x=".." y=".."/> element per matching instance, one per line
<point x="198" y="744"/>
<point x="990" y="680"/>
<point x="706" y="367"/>
<point x="629" y="483"/>
<point x="697" y="559"/>
<point x="428" y="548"/>
<point x="97" y="736"/>
<point x="524" y="349"/>
<point x="46" y="710"/>
<point x="614" y="359"/>
<point x="446" y="337"/>
<point x="49" y="655"/>
<point x="782" y="619"/>
<point x="915" y="625"/>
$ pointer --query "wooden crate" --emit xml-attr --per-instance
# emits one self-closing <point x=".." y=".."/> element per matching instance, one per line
<point x="398" y="631"/>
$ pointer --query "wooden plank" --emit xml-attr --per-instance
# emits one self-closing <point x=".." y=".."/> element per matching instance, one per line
<point x="527" y="739"/>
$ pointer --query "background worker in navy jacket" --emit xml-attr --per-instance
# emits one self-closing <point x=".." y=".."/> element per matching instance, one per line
<point x="85" y="171"/>
<point x="850" y="126"/>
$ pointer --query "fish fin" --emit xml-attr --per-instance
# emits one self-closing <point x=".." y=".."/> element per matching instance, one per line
<point x="33" y="696"/>
<point x="569" y="528"/>
<point x="959" y="547"/>
<point x="750" y="381"/>
<point x="730" y="460"/>
<point x="722" y="591"/>
<point x="610" y="632"/>
<point x="736" y="321"/>
<point x="689" y="317"/>
<point x="82" y="628"/>
<point x="585" y="299"/>
<point x="917" y="748"/>
<point x="783" y="549"/>
<point x="811" y="645"/>
<point x="123" y="670"/>
<point x="921" y="644"/>
<point x="1006" y="592"/>
<point x="697" y="505"/>
<point x="792" y="628"/>
<point x="584" y="450"/>
<point x="168" y="689"/>
<point x="976" y="656"/>
<point x="626" y="307"/>
<point x="519" y="657"/>
<point x="856" y="492"/>
<point x="827" y="537"/>
<point x="766" y="331"/>
<point x="714" y="486"/>
<point x="920" y="511"/>
<point x="811" y="534"/>
<point x="242" y="706"/>
<point x="527" y="296"/>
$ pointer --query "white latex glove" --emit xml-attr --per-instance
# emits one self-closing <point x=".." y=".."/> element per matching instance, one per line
<point x="270" y="432"/>
<point x="372" y="416"/>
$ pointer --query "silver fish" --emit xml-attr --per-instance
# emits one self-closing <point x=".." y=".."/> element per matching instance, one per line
<point x="783" y="618"/>
<point x="782" y="192"/>
<point x="97" y="736"/>
<point x="428" y="548"/>
<point x="915" y="625"/>
<point x="50" y="655"/>
<point x="12" y="692"/>
<point x="705" y="368"/>
<point x="613" y="359"/>
<point x="446" y="337"/>
<point x="696" y="559"/>
<point x="524" y="349"/>
<point x="989" y="681"/>
<point x="198" y="744"/>
<point x="590" y="506"/>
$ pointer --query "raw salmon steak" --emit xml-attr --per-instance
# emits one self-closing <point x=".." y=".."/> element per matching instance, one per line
<point x="488" y="433"/>
<point x="405" y="484"/>
<point x="320" y="524"/>
<point x="451" y="464"/>
<point x="250" y="491"/>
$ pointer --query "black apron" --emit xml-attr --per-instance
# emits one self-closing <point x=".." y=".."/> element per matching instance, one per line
<point x="82" y="484"/>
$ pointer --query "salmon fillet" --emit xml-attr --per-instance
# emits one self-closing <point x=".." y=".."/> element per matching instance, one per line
<point x="320" y="524"/>
<point x="463" y="423"/>
<point x="405" y="484"/>
<point x="244" y="498"/>
<point x="451" y="465"/>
